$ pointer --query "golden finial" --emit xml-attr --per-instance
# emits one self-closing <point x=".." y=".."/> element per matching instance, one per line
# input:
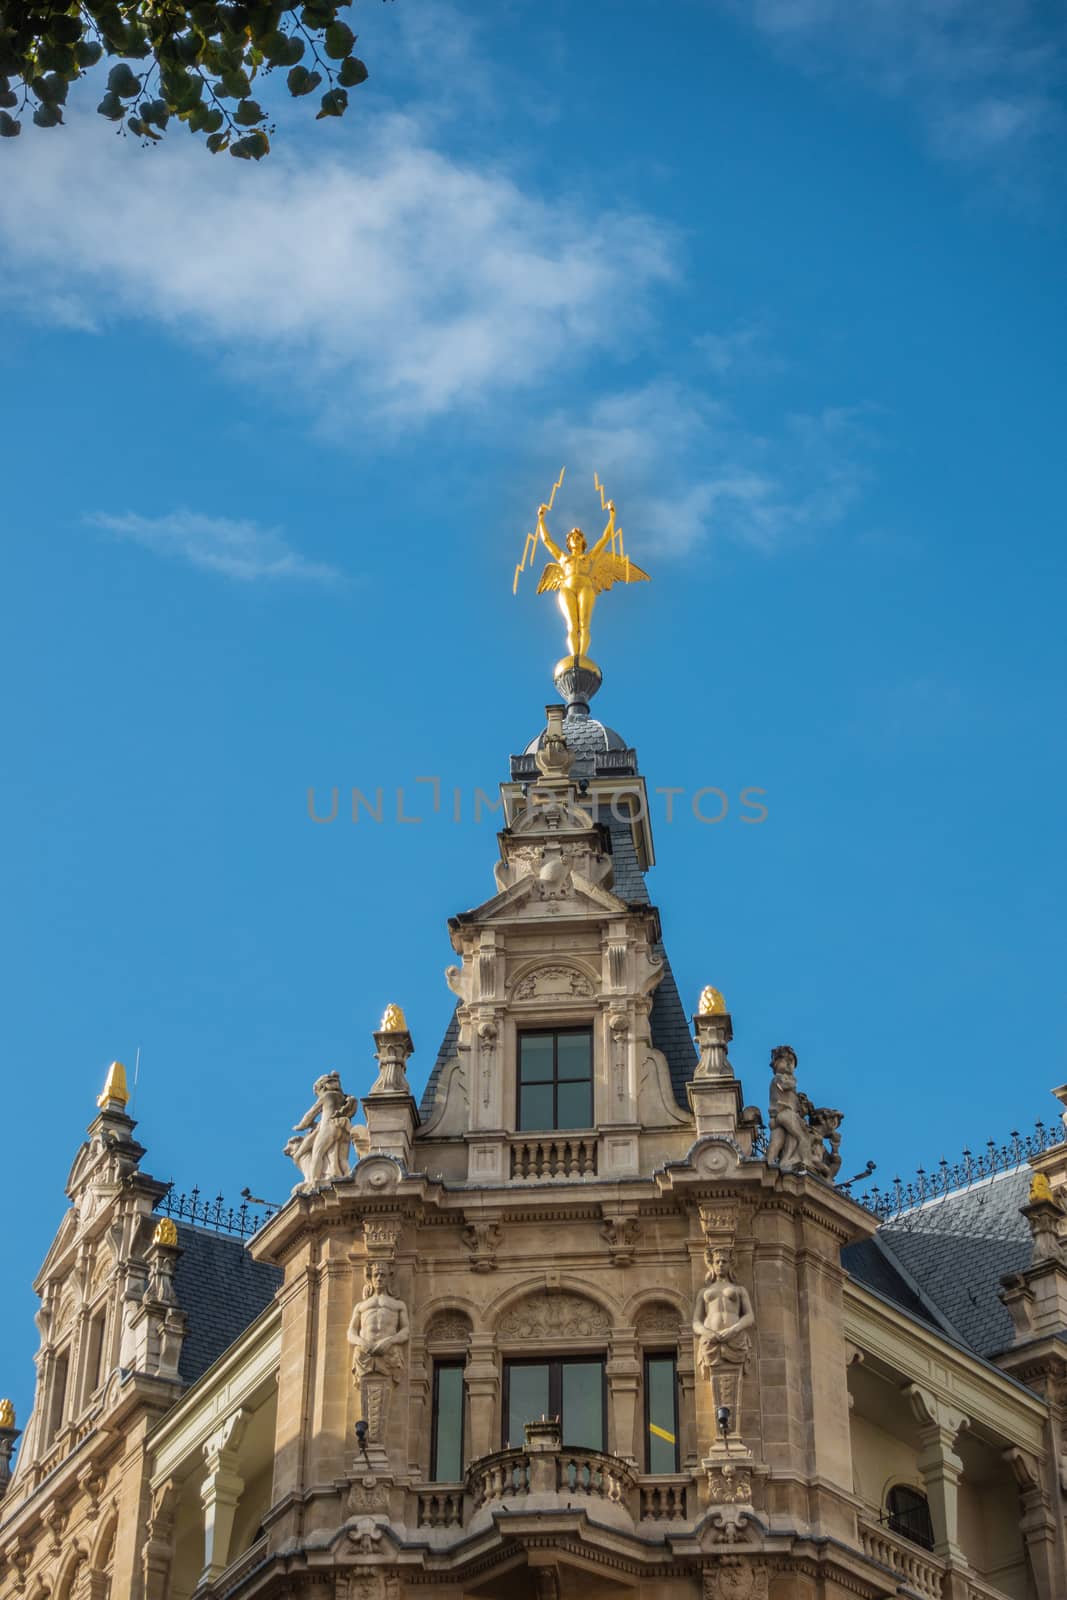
<point x="7" y="1414"/>
<point x="711" y="1002"/>
<point x="166" y="1232"/>
<point x="393" y="1020"/>
<point x="1040" y="1189"/>
<point x="114" y="1086"/>
<point x="577" y="574"/>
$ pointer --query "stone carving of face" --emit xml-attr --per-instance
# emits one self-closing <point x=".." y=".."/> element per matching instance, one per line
<point x="378" y="1277"/>
<point x="721" y="1264"/>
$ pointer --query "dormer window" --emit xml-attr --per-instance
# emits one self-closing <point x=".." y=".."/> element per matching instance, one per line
<point x="555" y="1079"/>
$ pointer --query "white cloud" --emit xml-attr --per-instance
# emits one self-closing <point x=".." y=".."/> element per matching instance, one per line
<point x="984" y="75"/>
<point x="397" y="277"/>
<point x="739" y="352"/>
<point x="731" y="483"/>
<point x="237" y="549"/>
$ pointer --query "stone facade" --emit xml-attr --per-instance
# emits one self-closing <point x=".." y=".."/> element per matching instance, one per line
<point x="728" y="1411"/>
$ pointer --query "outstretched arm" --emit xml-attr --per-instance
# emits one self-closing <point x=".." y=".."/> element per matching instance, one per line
<point x="546" y="538"/>
<point x="308" y="1119"/>
<point x="608" y="531"/>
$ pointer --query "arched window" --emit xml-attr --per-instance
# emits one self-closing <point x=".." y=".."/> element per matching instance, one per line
<point x="907" y="1512"/>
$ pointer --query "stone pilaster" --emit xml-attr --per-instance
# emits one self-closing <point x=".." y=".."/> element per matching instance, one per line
<point x="714" y="1094"/>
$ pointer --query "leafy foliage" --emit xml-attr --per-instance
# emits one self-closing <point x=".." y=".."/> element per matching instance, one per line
<point x="193" y="60"/>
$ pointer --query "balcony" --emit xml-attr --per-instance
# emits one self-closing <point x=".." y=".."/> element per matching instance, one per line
<point x="920" y="1572"/>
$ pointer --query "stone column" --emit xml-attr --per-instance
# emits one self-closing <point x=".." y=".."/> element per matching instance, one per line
<point x="941" y="1468"/>
<point x="1037" y="1524"/>
<point x="158" y="1550"/>
<point x="220" y="1493"/>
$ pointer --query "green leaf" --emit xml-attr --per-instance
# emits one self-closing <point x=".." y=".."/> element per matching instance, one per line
<point x="353" y="71"/>
<point x="8" y="98"/>
<point x="301" y="81"/>
<point x="155" y="111"/>
<point x="334" y="102"/>
<point x="121" y="80"/>
<point x="65" y="28"/>
<point x="234" y="84"/>
<point x="217" y="142"/>
<point x="47" y="116"/>
<point x="247" y="114"/>
<point x="339" y="40"/>
<point x="254" y="146"/>
<point x="112" y="107"/>
<point x="9" y="128"/>
<point x="88" y="53"/>
<point x="52" y="90"/>
<point x="295" y="51"/>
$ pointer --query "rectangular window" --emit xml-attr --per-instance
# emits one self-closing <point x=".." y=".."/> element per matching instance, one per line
<point x="446" y="1441"/>
<point x="556" y="1079"/>
<point x="570" y="1390"/>
<point x="661" y="1413"/>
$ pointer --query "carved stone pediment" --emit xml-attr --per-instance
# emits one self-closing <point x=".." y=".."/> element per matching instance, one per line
<point x="548" y="1314"/>
<point x="551" y="814"/>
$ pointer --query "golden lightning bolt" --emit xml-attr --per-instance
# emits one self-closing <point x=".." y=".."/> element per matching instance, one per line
<point x="617" y="546"/>
<point x="529" y="549"/>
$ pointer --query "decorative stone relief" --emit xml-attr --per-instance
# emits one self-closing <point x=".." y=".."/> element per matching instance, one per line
<point x="737" y="1579"/>
<point x="722" y="1317"/>
<point x="717" y="1223"/>
<point x="658" y="1321"/>
<point x="374" y="1586"/>
<point x="729" y="1484"/>
<point x="482" y="1239"/>
<point x="449" y="1327"/>
<point x="378" y="1331"/>
<point x="554" y="982"/>
<point x="488" y="1033"/>
<point x="381" y="1235"/>
<point x="368" y="1495"/>
<point x="324" y="1136"/>
<point x="802" y="1134"/>
<point x="620" y="1234"/>
<point x="549" y="1316"/>
<point x="393" y="1046"/>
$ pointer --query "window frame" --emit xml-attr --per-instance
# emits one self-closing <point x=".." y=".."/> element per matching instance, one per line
<point x="555" y="1032"/>
<point x="456" y="1364"/>
<point x="555" y="1365"/>
<point x="895" y="1520"/>
<point x="670" y="1355"/>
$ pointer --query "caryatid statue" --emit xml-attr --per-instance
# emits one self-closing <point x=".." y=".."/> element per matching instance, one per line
<point x="722" y="1317"/>
<point x="378" y="1330"/>
<point x="322" y="1153"/>
<point x="577" y="574"/>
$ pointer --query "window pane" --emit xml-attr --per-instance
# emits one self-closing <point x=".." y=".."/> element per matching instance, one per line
<point x="574" y="1055"/>
<point x="535" y="1057"/>
<point x="535" y="1105"/>
<point x="662" y="1422"/>
<point x="574" y="1105"/>
<point x="527" y="1398"/>
<point x="448" y="1423"/>
<point x="583" y="1403"/>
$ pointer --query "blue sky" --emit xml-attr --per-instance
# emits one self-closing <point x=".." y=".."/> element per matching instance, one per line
<point x="788" y="275"/>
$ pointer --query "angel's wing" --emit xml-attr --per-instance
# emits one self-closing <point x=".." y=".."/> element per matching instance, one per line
<point x="609" y="568"/>
<point x="551" y="578"/>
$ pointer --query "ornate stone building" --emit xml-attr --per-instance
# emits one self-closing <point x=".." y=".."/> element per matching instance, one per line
<point x="581" y="1323"/>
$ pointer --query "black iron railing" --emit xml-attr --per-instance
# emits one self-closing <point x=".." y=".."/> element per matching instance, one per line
<point x="242" y="1221"/>
<point x="948" y="1176"/>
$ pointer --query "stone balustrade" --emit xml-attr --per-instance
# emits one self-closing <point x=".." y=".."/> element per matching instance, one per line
<point x="923" y="1573"/>
<point x="506" y="1473"/>
<point x="663" y="1499"/>
<point x="441" y="1506"/>
<point x="594" y="1473"/>
<point x="554" y="1156"/>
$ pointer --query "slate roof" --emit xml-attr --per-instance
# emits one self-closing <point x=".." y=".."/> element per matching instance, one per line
<point x="955" y="1249"/>
<point x="668" y="1022"/>
<point x="221" y="1290"/>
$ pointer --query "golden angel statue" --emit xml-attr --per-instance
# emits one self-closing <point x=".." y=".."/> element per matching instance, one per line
<point x="577" y="575"/>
